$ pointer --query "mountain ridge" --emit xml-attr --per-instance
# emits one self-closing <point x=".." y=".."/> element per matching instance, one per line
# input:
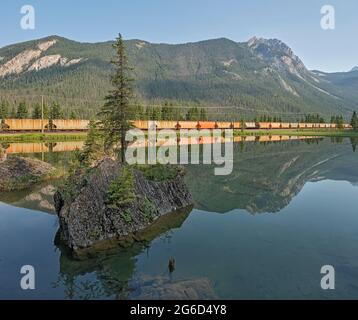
<point x="260" y="75"/>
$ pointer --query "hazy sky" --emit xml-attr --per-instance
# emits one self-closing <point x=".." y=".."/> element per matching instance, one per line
<point x="176" y="21"/>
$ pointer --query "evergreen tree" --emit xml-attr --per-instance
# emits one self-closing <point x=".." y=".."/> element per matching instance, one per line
<point x="22" y="112"/>
<point x="73" y="115"/>
<point x="115" y="114"/>
<point x="4" y="109"/>
<point x="54" y="112"/>
<point x="92" y="145"/>
<point x="36" y="112"/>
<point x="13" y="113"/>
<point x="203" y="116"/>
<point x="354" y="121"/>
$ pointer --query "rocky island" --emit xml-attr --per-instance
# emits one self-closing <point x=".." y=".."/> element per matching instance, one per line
<point x="110" y="202"/>
<point x="17" y="173"/>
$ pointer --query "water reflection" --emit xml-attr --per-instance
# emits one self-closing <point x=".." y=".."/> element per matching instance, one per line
<point x="113" y="270"/>
<point x="232" y="255"/>
<point x="266" y="176"/>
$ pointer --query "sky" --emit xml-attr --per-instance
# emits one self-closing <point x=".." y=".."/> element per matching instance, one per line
<point x="297" y="23"/>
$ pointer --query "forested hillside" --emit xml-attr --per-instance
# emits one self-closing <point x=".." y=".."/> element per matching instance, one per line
<point x="227" y="79"/>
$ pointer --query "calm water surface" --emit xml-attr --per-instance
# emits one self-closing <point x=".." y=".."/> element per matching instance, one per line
<point x="265" y="231"/>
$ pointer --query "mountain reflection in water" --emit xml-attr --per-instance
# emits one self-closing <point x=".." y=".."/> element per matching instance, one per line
<point x="232" y="255"/>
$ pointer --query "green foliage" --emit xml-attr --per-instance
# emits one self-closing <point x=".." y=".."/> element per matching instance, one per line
<point x="126" y="215"/>
<point x="159" y="172"/>
<point x="354" y="121"/>
<point x="22" y="112"/>
<point x="4" y="109"/>
<point x="338" y="120"/>
<point x="36" y="112"/>
<point x="116" y="112"/>
<point x="73" y="115"/>
<point x="121" y="190"/>
<point x="92" y="146"/>
<point x="148" y="209"/>
<point x="313" y="118"/>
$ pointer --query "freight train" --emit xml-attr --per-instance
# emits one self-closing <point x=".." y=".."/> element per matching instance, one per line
<point x="19" y="125"/>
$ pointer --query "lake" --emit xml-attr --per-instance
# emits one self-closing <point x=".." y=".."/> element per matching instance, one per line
<point x="262" y="232"/>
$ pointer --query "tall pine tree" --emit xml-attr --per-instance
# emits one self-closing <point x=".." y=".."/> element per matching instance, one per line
<point x="116" y="111"/>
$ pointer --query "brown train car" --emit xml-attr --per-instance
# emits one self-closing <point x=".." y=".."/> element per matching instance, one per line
<point x="223" y="125"/>
<point x="294" y="125"/>
<point x="302" y="125"/>
<point x="207" y="124"/>
<point x="275" y="125"/>
<point x="24" y="124"/>
<point x="188" y="124"/>
<point x="140" y="124"/>
<point x="166" y="124"/>
<point x="237" y="125"/>
<point x="250" y="125"/>
<point x="264" y="125"/>
<point x="285" y="125"/>
<point x="59" y="124"/>
<point x="309" y="125"/>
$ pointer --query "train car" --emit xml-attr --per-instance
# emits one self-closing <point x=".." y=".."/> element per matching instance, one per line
<point x="285" y="125"/>
<point x="347" y="126"/>
<point x="70" y="124"/>
<point x="224" y="125"/>
<point x="207" y="124"/>
<point x="140" y="124"/>
<point x="166" y="124"/>
<point x="294" y="125"/>
<point x="250" y="125"/>
<point x="275" y="125"/>
<point x="237" y="125"/>
<point x="24" y="124"/>
<point x="188" y="124"/>
<point x="264" y="125"/>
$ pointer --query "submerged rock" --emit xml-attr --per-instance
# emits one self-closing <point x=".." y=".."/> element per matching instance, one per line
<point x="162" y="288"/>
<point x="110" y="201"/>
<point x="18" y="173"/>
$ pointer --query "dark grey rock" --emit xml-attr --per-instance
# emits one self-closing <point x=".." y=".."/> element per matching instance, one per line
<point x="86" y="220"/>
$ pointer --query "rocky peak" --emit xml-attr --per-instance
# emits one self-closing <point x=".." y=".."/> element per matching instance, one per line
<point x="33" y="60"/>
<point x="278" y="54"/>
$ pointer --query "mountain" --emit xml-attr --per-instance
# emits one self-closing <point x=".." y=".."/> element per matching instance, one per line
<point x="354" y="69"/>
<point x="260" y="76"/>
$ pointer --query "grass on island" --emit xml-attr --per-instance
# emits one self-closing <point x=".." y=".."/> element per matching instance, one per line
<point x="299" y="132"/>
<point x="36" y="137"/>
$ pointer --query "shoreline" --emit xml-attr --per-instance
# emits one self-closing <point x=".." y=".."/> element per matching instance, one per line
<point x="39" y="137"/>
<point x="303" y="133"/>
<point x="80" y="136"/>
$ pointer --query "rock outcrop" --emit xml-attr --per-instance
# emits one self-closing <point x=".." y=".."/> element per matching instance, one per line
<point x="18" y="173"/>
<point x="162" y="288"/>
<point x="87" y="218"/>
